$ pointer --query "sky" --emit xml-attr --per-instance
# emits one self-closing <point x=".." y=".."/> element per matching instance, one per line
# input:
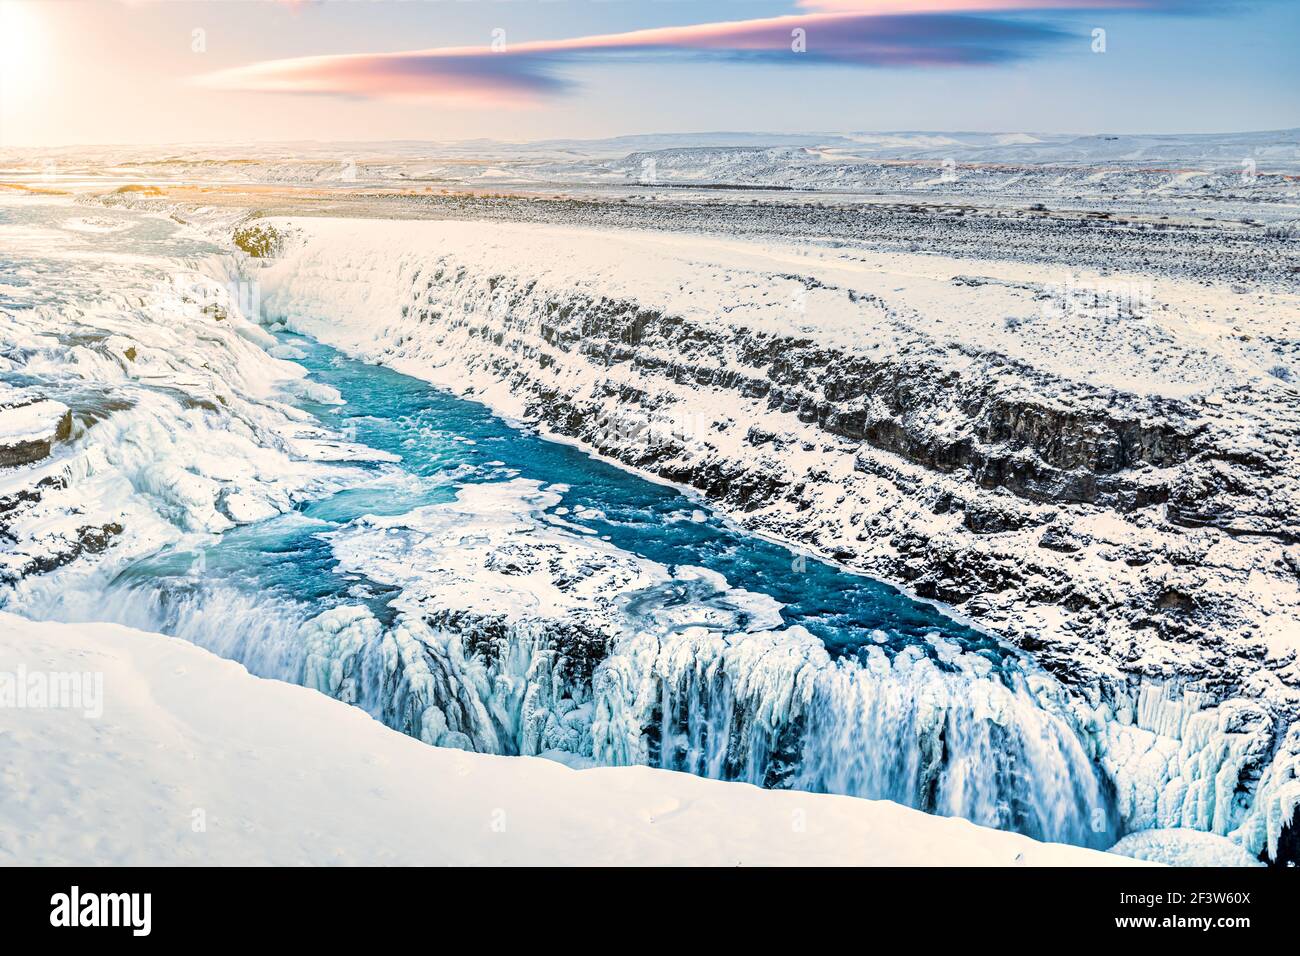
<point x="158" y="71"/>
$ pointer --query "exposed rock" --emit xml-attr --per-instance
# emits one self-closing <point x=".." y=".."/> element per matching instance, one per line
<point x="260" y="240"/>
<point x="29" y="427"/>
<point x="1057" y="539"/>
<point x="1046" y="498"/>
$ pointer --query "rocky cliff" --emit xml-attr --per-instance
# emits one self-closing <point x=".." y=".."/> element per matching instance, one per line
<point x="1100" y="468"/>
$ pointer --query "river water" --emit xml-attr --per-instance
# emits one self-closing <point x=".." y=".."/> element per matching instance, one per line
<point x="898" y="710"/>
<point x="744" y="661"/>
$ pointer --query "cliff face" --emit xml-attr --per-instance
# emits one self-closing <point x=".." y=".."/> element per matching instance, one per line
<point x="949" y="432"/>
<point x="1100" y="468"/>
<point x="978" y="485"/>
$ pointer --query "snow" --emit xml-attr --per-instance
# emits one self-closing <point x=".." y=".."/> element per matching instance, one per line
<point x="196" y="762"/>
<point x="352" y="278"/>
<point x="1181" y="847"/>
<point x="37" y="421"/>
<point x="1140" y="170"/>
<point x="201" y="438"/>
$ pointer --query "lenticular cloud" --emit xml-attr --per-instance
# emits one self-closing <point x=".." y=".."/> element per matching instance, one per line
<point x="505" y="71"/>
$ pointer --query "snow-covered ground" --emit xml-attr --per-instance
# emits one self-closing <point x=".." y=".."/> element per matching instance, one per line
<point x="1125" y="333"/>
<point x="1197" y="174"/>
<point x="193" y="761"/>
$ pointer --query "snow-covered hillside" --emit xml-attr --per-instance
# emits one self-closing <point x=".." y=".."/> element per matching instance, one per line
<point x="846" y="160"/>
<point x="193" y="761"/>
<point x="1120" y="171"/>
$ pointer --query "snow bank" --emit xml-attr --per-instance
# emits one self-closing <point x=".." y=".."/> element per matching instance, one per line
<point x="196" y="762"/>
<point x="1180" y="847"/>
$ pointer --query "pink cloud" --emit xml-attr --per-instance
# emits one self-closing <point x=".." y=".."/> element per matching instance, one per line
<point x="521" y="72"/>
<point x="894" y="7"/>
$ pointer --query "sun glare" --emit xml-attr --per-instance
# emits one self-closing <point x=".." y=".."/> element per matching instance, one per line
<point x="22" y="50"/>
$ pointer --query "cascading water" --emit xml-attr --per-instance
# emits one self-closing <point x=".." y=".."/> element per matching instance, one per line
<point x="587" y="614"/>
<point x="951" y="733"/>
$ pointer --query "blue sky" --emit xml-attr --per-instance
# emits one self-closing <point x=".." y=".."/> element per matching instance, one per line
<point x="97" y="71"/>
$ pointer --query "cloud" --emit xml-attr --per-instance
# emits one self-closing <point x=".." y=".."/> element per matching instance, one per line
<point x="521" y="72"/>
<point x="887" y="7"/>
<point x="469" y="76"/>
<point x="879" y="33"/>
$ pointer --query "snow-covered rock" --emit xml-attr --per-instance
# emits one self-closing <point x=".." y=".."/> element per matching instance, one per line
<point x="29" y="427"/>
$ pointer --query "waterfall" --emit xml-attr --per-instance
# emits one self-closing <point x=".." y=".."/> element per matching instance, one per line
<point x="694" y="676"/>
<point x="697" y="679"/>
<point x="936" y="728"/>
